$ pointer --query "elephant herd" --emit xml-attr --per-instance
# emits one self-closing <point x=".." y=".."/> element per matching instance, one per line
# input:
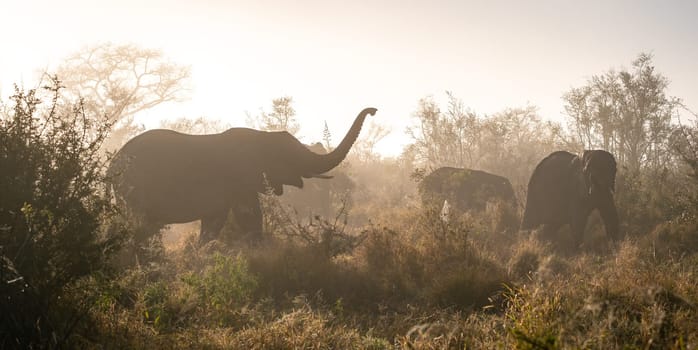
<point x="563" y="190"/>
<point x="166" y="177"/>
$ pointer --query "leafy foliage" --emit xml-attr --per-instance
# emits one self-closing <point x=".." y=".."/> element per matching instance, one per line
<point x="625" y="112"/>
<point x="51" y="214"/>
<point x="224" y="286"/>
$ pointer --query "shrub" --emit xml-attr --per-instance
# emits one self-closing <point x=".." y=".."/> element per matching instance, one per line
<point x="51" y="210"/>
<point x="674" y="238"/>
<point x="224" y="286"/>
<point x="432" y="261"/>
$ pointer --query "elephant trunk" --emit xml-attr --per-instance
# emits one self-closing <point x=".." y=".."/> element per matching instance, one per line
<point x="322" y="163"/>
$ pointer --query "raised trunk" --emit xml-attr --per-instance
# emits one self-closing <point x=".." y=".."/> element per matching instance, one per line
<point x="322" y="163"/>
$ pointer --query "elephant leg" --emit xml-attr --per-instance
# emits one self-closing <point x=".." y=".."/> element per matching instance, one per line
<point x="609" y="215"/>
<point x="578" y="224"/>
<point x="211" y="227"/>
<point x="248" y="215"/>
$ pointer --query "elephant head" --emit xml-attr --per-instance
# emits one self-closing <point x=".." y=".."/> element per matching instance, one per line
<point x="566" y="188"/>
<point x="599" y="169"/>
<point x="315" y="198"/>
<point x="286" y="161"/>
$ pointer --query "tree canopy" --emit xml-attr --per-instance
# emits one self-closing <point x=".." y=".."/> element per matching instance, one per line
<point x="120" y="81"/>
<point x="625" y="112"/>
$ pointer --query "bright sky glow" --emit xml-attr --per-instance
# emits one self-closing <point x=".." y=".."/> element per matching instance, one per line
<point x="337" y="57"/>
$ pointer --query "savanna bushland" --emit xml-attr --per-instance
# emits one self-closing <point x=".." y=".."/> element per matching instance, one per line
<point x="381" y="271"/>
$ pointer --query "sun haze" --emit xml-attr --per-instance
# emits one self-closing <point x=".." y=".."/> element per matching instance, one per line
<point x="348" y="174"/>
<point x="335" y="58"/>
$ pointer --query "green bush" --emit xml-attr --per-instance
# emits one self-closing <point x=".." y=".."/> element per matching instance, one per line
<point x="431" y="261"/>
<point x="647" y="198"/>
<point x="51" y="214"/>
<point x="224" y="286"/>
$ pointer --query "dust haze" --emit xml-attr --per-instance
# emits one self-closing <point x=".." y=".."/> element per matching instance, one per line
<point x="371" y="176"/>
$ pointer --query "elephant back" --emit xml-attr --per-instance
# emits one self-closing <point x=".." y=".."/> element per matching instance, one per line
<point x="465" y="189"/>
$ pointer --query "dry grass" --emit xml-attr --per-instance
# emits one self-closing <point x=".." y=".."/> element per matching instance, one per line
<point x="414" y="282"/>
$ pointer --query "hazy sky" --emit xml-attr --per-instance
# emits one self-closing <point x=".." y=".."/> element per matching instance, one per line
<point x="337" y="57"/>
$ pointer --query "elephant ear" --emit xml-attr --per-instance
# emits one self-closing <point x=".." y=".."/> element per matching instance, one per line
<point x="600" y="168"/>
<point x="276" y="181"/>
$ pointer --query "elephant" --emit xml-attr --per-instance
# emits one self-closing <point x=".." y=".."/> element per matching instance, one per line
<point x="565" y="189"/>
<point x="465" y="189"/>
<point x="166" y="177"/>
<point x="316" y="196"/>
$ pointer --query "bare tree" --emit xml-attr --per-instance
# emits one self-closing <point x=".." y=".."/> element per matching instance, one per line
<point x="444" y="139"/>
<point x="508" y="143"/>
<point x="121" y="81"/>
<point x="684" y="142"/>
<point x="513" y="141"/>
<point x="626" y="112"/>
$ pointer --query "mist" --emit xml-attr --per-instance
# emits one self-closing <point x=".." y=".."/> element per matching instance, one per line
<point x="369" y="175"/>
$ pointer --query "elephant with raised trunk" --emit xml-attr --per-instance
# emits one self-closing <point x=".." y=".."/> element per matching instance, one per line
<point x="465" y="189"/>
<point x="166" y="177"/>
<point x="565" y="189"/>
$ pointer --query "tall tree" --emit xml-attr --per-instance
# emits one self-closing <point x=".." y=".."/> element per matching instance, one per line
<point x="684" y="141"/>
<point x="444" y="138"/>
<point x="120" y="81"/>
<point x="626" y="112"/>
<point x="513" y="141"/>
